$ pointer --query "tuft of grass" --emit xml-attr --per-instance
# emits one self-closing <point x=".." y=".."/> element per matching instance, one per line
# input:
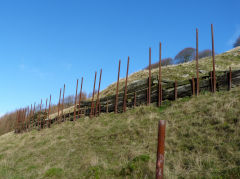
<point x="54" y="173"/>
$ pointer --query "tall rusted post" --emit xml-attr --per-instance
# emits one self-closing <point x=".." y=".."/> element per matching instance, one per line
<point x="59" y="104"/>
<point x="193" y="86"/>
<point x="175" y="90"/>
<point x="39" y="115"/>
<point x="149" y="78"/>
<point x="197" y="69"/>
<point x="213" y="60"/>
<point x="99" y="85"/>
<point x="160" y="76"/>
<point x="160" y="149"/>
<point x="30" y="116"/>
<point x="80" y="98"/>
<point x="135" y="101"/>
<point x="116" y="99"/>
<point x="34" y="113"/>
<point x="49" y="110"/>
<point x="75" y="106"/>
<point x="44" y="121"/>
<point x="230" y="79"/>
<point x="125" y="91"/>
<point x="27" y="117"/>
<point x="92" y="105"/>
<point x="63" y="115"/>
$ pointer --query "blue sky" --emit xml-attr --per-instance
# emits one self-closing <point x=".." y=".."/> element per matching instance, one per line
<point x="44" y="44"/>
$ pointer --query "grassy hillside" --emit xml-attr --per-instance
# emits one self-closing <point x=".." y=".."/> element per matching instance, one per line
<point x="184" y="71"/>
<point x="202" y="139"/>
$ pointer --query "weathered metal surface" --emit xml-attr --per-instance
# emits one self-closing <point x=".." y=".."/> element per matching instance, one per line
<point x="49" y="110"/>
<point x="197" y="68"/>
<point x="213" y="61"/>
<point x="63" y="115"/>
<point x="59" y="105"/>
<point x="160" y="76"/>
<point x="125" y="91"/>
<point x="80" y="98"/>
<point x="116" y="100"/>
<point x="75" y="104"/>
<point x="149" y="78"/>
<point x="160" y="149"/>
<point x="92" y="106"/>
<point x="99" y="85"/>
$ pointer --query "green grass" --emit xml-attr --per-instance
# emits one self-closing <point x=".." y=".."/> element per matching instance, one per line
<point x="183" y="71"/>
<point x="202" y="141"/>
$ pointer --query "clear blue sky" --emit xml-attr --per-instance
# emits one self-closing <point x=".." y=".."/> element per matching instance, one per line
<point x="44" y="44"/>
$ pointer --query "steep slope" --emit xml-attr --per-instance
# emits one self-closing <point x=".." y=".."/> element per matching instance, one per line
<point x="202" y="139"/>
<point x="184" y="71"/>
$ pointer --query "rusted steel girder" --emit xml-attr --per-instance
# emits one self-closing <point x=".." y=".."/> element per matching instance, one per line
<point x="49" y="110"/>
<point x="63" y="102"/>
<point x="80" y="98"/>
<point x="149" y="78"/>
<point x="125" y="91"/>
<point x="75" y="106"/>
<point x="99" y="85"/>
<point x="92" y="105"/>
<point x="213" y="61"/>
<point x="59" y="103"/>
<point x="116" y="100"/>
<point x="39" y="115"/>
<point x="197" y="69"/>
<point x="160" y="149"/>
<point x="160" y="76"/>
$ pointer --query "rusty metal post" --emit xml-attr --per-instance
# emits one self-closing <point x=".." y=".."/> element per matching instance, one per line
<point x="149" y="78"/>
<point x="116" y="101"/>
<point x="135" y="101"/>
<point x="193" y="86"/>
<point x="80" y="98"/>
<point x="74" y="118"/>
<point x="160" y="149"/>
<point x="197" y="69"/>
<point x="99" y="85"/>
<point x="63" y="115"/>
<point x="213" y="60"/>
<point x="30" y="116"/>
<point x="230" y="79"/>
<point x="33" y="114"/>
<point x="92" y="105"/>
<point x="59" y="103"/>
<point x="39" y="123"/>
<point x="125" y="91"/>
<point x="175" y="90"/>
<point x="49" y="110"/>
<point x="44" y="121"/>
<point x="160" y="76"/>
